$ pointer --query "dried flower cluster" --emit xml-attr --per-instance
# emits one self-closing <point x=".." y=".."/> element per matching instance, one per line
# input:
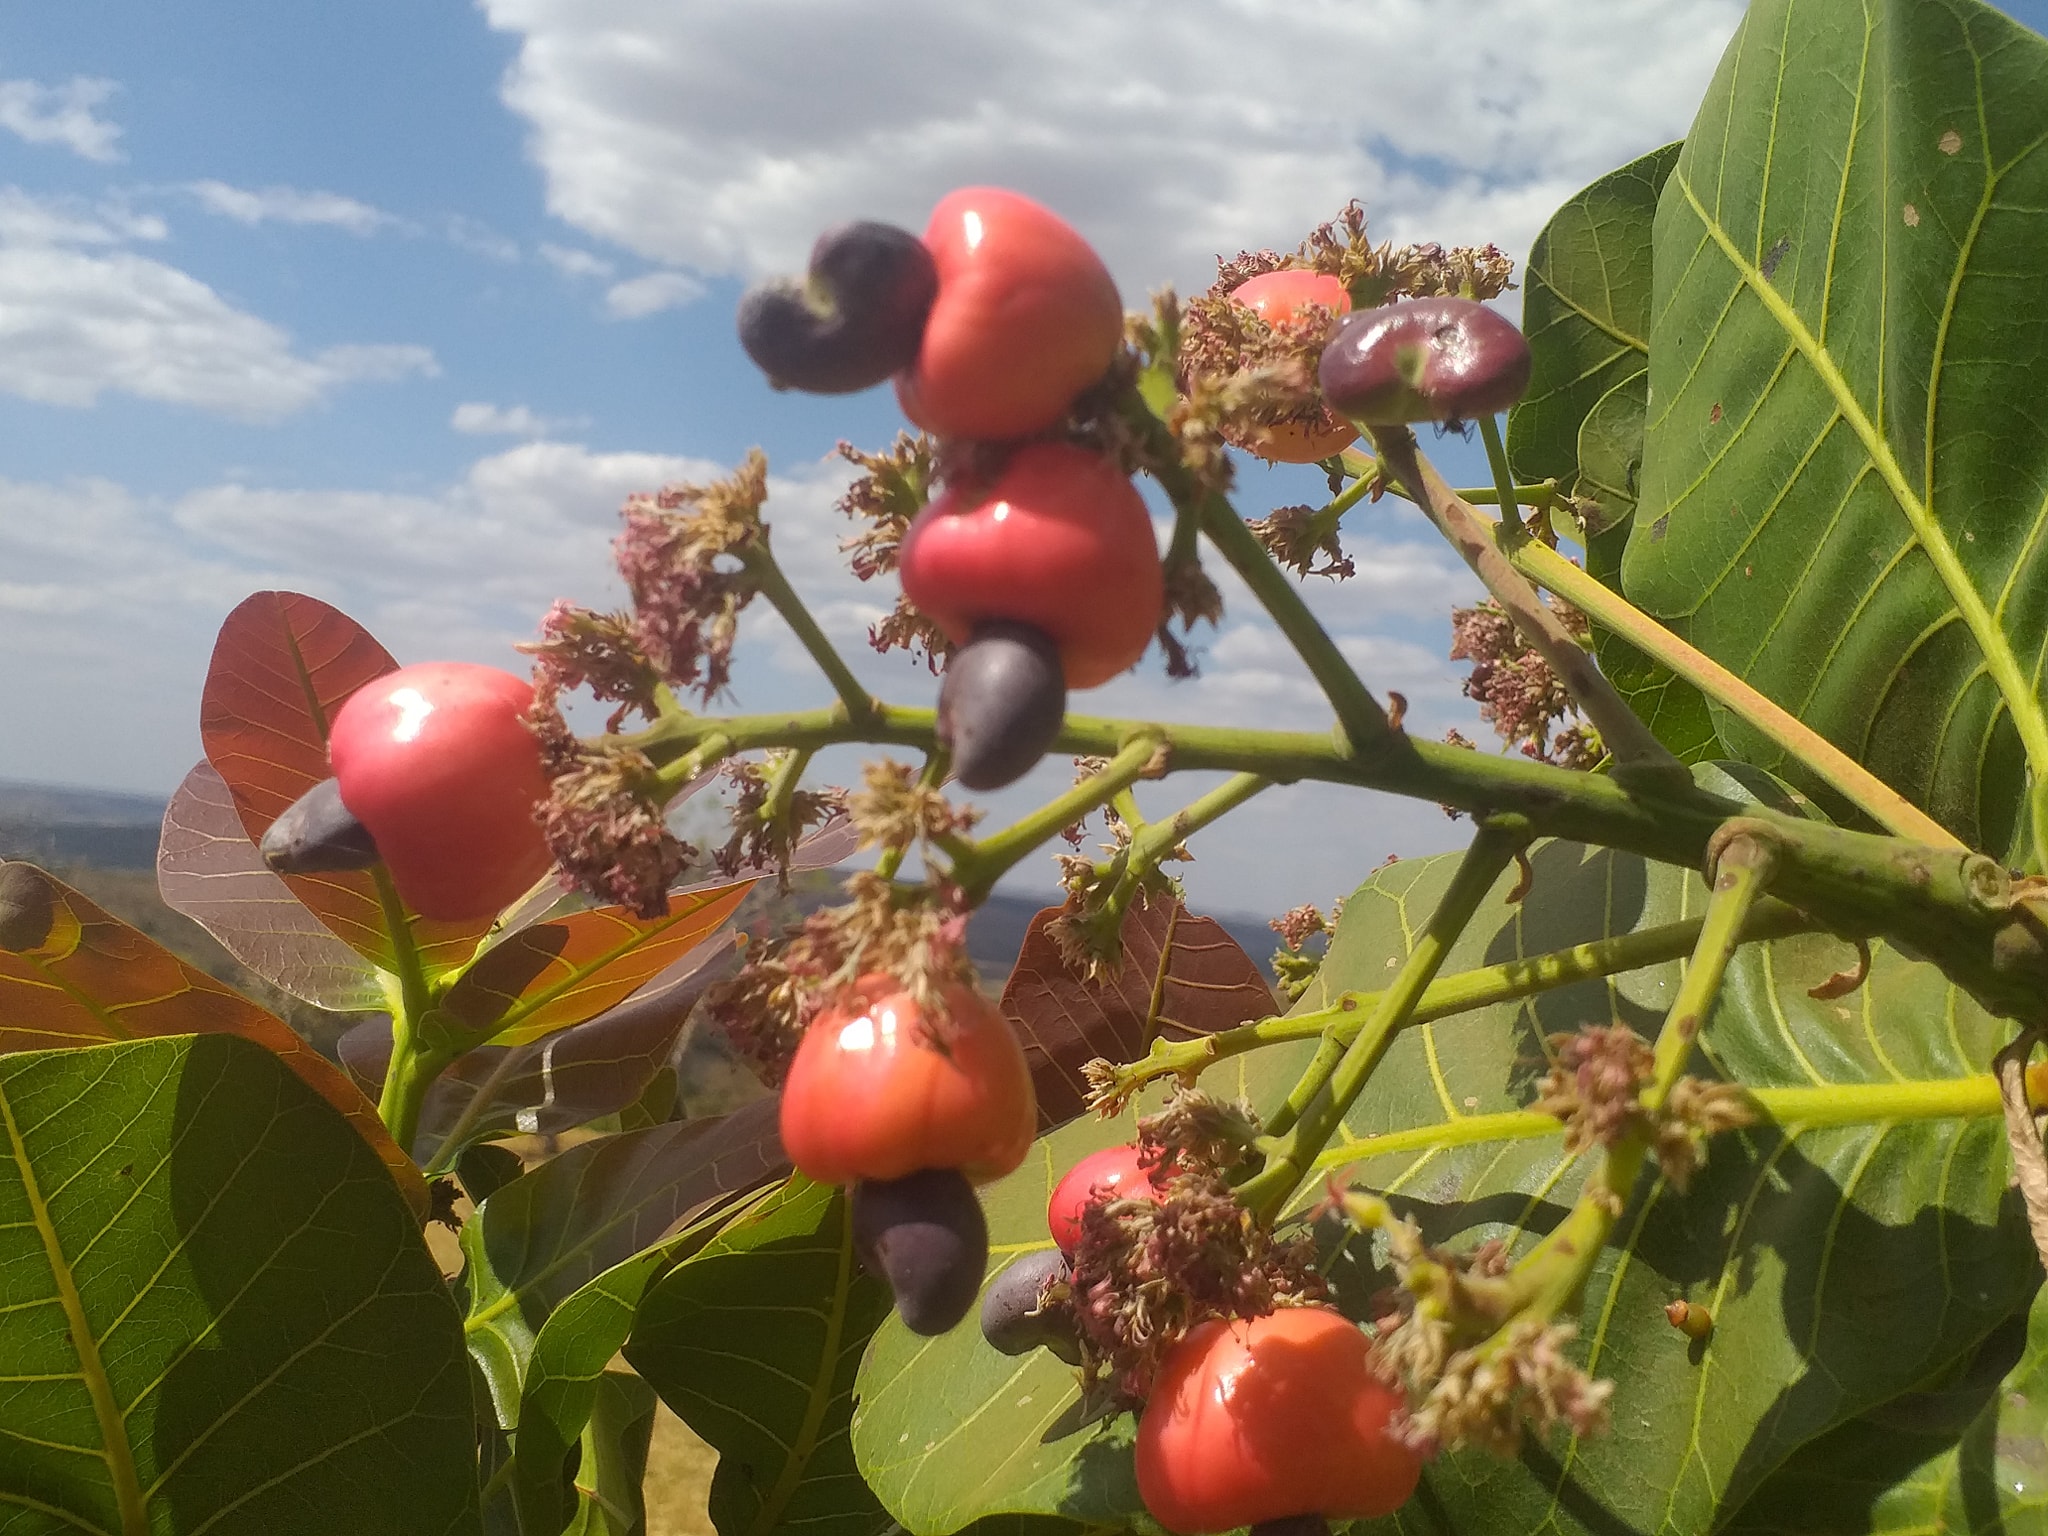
<point x="1595" y="1085"/>
<point x="1697" y="1110"/>
<point x="891" y="489"/>
<point x="1517" y="693"/>
<point x="1262" y="373"/>
<point x="1475" y="1373"/>
<point x="894" y="808"/>
<point x="767" y="825"/>
<point x="1294" y="968"/>
<point x="1379" y="274"/>
<point x="683" y="557"/>
<point x="1298" y="538"/>
<point x="913" y="933"/>
<point x="605" y="817"/>
<point x="1192" y="598"/>
<point x="579" y="648"/>
<point x="1145" y="1273"/>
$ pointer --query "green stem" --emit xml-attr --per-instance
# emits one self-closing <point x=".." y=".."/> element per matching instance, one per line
<point x="1359" y="715"/>
<point x="773" y="585"/>
<point x="1785" y="730"/>
<point x="413" y="1067"/>
<point x="1324" y="1104"/>
<point x="1152" y="842"/>
<point x="1639" y="757"/>
<point x="1740" y="874"/>
<point x="1325" y="522"/>
<point x="1450" y="995"/>
<point x="979" y="865"/>
<point x="1503" y="477"/>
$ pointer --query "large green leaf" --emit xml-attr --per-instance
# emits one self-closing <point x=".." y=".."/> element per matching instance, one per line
<point x="754" y="1342"/>
<point x="610" y="1499"/>
<point x="1843" y="1264"/>
<point x="216" y="1311"/>
<point x="542" y="1237"/>
<point x="1587" y="310"/>
<point x="1968" y="1457"/>
<point x="1845" y="483"/>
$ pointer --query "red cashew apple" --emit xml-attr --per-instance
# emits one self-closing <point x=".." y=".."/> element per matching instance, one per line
<point x="1257" y="1419"/>
<point x="1281" y="295"/>
<point x="1026" y="317"/>
<point x="878" y="1090"/>
<point x="1059" y="540"/>
<point x="436" y="761"/>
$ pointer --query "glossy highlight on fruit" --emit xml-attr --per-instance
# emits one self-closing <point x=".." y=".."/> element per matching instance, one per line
<point x="1424" y="360"/>
<point x="436" y="762"/>
<point x="1259" y="1419"/>
<point x="1001" y="703"/>
<point x="1059" y="540"/>
<point x="1281" y="295"/>
<point x="1114" y="1173"/>
<point x="316" y="833"/>
<point x="856" y="319"/>
<point x="926" y="1236"/>
<point x="1026" y="317"/>
<point x="1012" y="1319"/>
<point x="877" y="1091"/>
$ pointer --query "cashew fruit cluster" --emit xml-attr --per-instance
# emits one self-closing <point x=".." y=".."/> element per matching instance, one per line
<point x="435" y="776"/>
<point x="1278" y="1422"/>
<point x="912" y="1108"/>
<point x="1040" y="563"/>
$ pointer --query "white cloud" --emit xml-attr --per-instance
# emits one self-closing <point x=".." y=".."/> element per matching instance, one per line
<point x="79" y="323"/>
<point x="1170" y="131"/>
<point x="288" y="205"/>
<point x="61" y="114"/>
<point x="649" y="294"/>
<point x="574" y="263"/>
<point x="482" y="419"/>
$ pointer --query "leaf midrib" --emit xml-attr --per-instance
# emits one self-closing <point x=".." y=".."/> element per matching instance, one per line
<point x="1999" y="659"/>
<point x="118" y="1454"/>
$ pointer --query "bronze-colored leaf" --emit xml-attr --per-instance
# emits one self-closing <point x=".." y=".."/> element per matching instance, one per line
<point x="559" y="973"/>
<point x="547" y="1086"/>
<point x="1181" y="975"/>
<point x="89" y="978"/>
<point x="207" y="868"/>
<point x="282" y="665"/>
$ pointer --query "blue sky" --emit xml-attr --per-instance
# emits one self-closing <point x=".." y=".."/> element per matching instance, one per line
<point x="266" y="270"/>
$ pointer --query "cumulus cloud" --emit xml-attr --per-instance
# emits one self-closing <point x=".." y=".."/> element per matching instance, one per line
<point x="571" y="262"/>
<point x="482" y="419"/>
<point x="1170" y="130"/>
<point x="638" y="297"/>
<point x="80" y="317"/>
<point x="62" y="114"/>
<point x="288" y="205"/>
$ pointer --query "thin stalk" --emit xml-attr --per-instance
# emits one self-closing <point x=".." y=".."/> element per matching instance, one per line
<point x="1638" y="756"/>
<point x="1451" y="995"/>
<point x="413" y="1067"/>
<point x="773" y="585"/>
<point x="1289" y="1156"/>
<point x="1740" y="874"/>
<point x="977" y="866"/>
<point x="450" y="1150"/>
<point x="1359" y="715"/>
<point x="1503" y="477"/>
<point x="1609" y="609"/>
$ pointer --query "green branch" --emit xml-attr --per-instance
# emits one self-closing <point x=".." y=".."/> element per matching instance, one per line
<point x="978" y="865"/>
<point x="773" y="585"/>
<point x="1447" y="996"/>
<point x="1324" y="1095"/>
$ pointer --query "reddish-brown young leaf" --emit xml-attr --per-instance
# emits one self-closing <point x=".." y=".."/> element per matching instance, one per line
<point x="207" y="868"/>
<point x="559" y="973"/>
<point x="548" y="1086"/>
<point x="282" y="665"/>
<point x="1181" y="975"/>
<point x="72" y="975"/>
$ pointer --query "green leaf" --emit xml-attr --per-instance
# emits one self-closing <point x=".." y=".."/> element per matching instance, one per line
<point x="754" y="1343"/>
<point x="1843" y="1263"/>
<point x="565" y="1376"/>
<point x="1587" y="313"/>
<point x="609" y="1499"/>
<point x="1845" y="469"/>
<point x="1970" y="1457"/>
<point x="216" y="1311"/>
<point x="544" y="1236"/>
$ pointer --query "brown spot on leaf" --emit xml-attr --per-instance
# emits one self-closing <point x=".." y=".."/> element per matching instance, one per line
<point x="1950" y="142"/>
<point x="1659" y="528"/>
<point x="1715" y="413"/>
<point x="1749" y="570"/>
<point x="1912" y="217"/>
<point x="1780" y="248"/>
